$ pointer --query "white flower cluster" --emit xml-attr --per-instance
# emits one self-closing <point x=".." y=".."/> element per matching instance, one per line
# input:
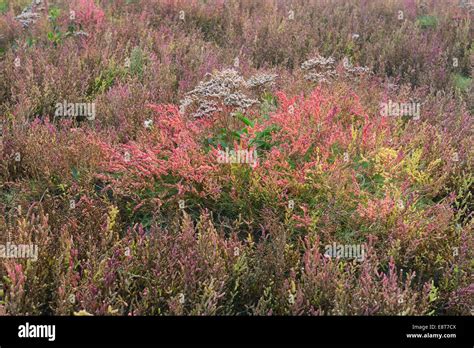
<point x="29" y="15"/>
<point x="206" y="107"/>
<point x="319" y="69"/>
<point x="356" y="70"/>
<point x="467" y="4"/>
<point x="261" y="80"/>
<point x="239" y="99"/>
<point x="318" y="61"/>
<point x="224" y="87"/>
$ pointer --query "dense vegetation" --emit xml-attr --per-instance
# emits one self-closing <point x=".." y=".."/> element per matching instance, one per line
<point x="133" y="207"/>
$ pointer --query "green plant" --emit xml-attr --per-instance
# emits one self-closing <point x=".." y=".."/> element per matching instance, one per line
<point x="426" y="22"/>
<point x="462" y="82"/>
<point x="3" y="6"/>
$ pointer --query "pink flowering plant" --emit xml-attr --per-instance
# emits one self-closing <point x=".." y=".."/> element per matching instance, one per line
<point x="220" y="158"/>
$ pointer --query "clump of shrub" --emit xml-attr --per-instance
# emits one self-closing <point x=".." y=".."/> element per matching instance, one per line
<point x="135" y="213"/>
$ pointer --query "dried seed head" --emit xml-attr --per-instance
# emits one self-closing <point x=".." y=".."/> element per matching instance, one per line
<point x="223" y="88"/>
